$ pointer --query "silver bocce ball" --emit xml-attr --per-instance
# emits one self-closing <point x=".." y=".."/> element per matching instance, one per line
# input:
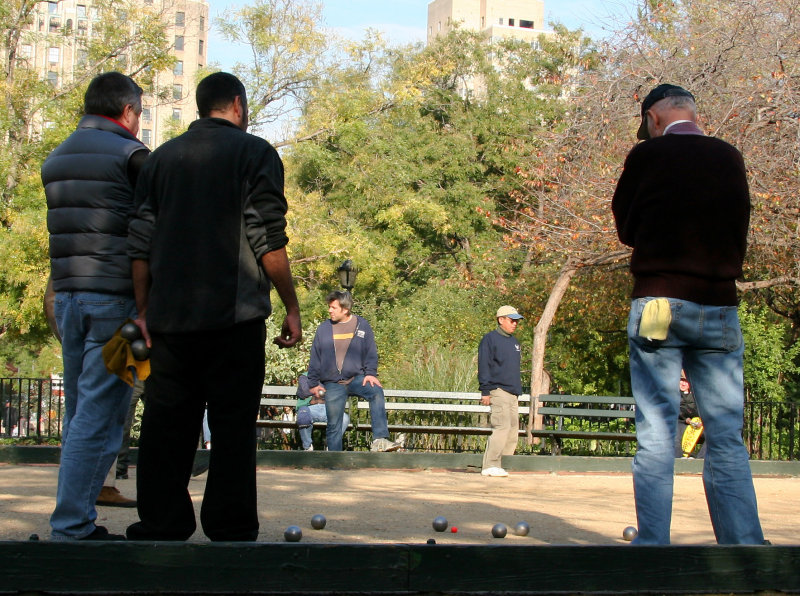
<point x="130" y="331"/>
<point x="522" y="528"/>
<point x="499" y="530"/>
<point x="293" y="534"/>
<point x="318" y="521"/>
<point x="629" y="533"/>
<point x="140" y="350"/>
<point x="439" y="523"/>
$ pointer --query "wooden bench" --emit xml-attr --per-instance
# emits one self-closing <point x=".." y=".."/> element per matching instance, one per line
<point x="457" y="421"/>
<point x="592" y="417"/>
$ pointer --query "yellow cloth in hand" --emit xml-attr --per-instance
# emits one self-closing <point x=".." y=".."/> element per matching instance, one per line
<point x="119" y="360"/>
<point x="656" y="318"/>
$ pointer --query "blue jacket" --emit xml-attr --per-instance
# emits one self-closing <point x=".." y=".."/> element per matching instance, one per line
<point x="361" y="357"/>
<point x="499" y="359"/>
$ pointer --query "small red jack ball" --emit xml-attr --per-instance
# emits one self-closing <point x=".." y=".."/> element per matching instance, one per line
<point x="454" y="529"/>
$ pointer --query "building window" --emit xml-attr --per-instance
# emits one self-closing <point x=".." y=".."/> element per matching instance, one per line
<point x="52" y="78"/>
<point x="83" y="56"/>
<point x="510" y="22"/>
<point x="526" y="24"/>
<point x="177" y="70"/>
<point x="177" y="91"/>
<point x="146" y="116"/>
<point x="81" y="10"/>
<point x="147" y="136"/>
<point x="55" y="24"/>
<point x="53" y="55"/>
<point x="83" y="26"/>
<point x="176" y="113"/>
<point x="180" y="19"/>
<point x="200" y="45"/>
<point x="483" y="22"/>
<point x="26" y="51"/>
<point x="500" y="21"/>
<point x="52" y="7"/>
<point x="202" y="24"/>
<point x="179" y="42"/>
<point x="94" y="14"/>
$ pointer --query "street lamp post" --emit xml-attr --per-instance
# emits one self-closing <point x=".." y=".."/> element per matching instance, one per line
<point x="347" y="274"/>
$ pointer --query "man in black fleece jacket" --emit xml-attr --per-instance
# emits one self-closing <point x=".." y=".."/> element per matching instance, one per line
<point x="683" y="204"/>
<point x="207" y="240"/>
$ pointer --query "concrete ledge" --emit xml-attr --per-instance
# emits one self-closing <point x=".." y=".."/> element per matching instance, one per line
<point x="27" y="454"/>
<point x="272" y="568"/>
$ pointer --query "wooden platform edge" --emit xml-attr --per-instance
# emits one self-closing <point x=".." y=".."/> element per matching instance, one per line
<point x="283" y="568"/>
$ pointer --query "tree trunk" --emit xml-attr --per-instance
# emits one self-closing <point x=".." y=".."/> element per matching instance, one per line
<point x="566" y="274"/>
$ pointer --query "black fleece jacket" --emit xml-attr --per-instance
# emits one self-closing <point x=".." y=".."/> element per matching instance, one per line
<point x="210" y="205"/>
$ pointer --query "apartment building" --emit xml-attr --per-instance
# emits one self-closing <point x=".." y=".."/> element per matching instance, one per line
<point x="57" y="50"/>
<point x="496" y="19"/>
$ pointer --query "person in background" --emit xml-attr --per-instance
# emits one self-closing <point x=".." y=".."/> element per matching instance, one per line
<point x="311" y="409"/>
<point x="500" y="382"/>
<point x="344" y="361"/>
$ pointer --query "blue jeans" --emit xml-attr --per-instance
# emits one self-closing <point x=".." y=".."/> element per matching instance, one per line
<point x="707" y="342"/>
<point x="336" y="400"/>
<point x="95" y="406"/>
<point x="318" y="414"/>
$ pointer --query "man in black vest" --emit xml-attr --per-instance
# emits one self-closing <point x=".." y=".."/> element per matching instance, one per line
<point x="89" y="181"/>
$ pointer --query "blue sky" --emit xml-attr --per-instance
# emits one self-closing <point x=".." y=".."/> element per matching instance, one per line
<point x="405" y="20"/>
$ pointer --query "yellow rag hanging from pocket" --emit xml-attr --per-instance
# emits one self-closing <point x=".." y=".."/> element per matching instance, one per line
<point x="656" y="318"/>
<point x="119" y="359"/>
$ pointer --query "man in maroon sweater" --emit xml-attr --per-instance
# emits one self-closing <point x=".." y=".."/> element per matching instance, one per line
<point x="683" y="204"/>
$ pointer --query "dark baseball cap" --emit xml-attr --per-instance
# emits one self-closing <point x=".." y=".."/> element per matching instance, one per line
<point x="657" y="94"/>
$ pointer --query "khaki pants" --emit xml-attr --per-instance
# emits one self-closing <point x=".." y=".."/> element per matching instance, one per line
<point x="505" y="428"/>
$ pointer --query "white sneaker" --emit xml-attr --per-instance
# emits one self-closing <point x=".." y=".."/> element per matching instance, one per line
<point x="401" y="440"/>
<point x="495" y="472"/>
<point x="310" y="448"/>
<point x="383" y="444"/>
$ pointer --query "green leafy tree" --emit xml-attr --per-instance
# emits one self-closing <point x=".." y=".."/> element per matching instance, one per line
<point x="770" y="359"/>
<point x="38" y="113"/>
<point x="286" y="54"/>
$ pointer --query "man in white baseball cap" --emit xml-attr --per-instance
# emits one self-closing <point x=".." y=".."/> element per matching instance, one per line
<point x="501" y="384"/>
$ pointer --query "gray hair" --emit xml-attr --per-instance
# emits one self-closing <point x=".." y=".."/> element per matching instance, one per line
<point x="677" y="102"/>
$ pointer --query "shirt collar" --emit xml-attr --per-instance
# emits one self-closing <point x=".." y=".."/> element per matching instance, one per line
<point x="117" y="122"/>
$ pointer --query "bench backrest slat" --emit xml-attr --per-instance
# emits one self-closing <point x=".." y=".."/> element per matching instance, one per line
<point x="587" y="399"/>
<point x="586" y="413"/>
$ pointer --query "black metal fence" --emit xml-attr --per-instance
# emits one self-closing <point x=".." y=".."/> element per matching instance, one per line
<point x="31" y="408"/>
<point x="34" y="408"/>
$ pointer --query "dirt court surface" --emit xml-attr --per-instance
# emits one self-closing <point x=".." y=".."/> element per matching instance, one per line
<point x="398" y="506"/>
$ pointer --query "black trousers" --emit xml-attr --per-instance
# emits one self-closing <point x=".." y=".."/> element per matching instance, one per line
<point x="224" y="371"/>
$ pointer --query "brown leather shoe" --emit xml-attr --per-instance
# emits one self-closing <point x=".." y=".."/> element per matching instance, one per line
<point x="111" y="497"/>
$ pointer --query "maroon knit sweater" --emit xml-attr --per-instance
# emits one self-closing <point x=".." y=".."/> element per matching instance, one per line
<point x="683" y="204"/>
